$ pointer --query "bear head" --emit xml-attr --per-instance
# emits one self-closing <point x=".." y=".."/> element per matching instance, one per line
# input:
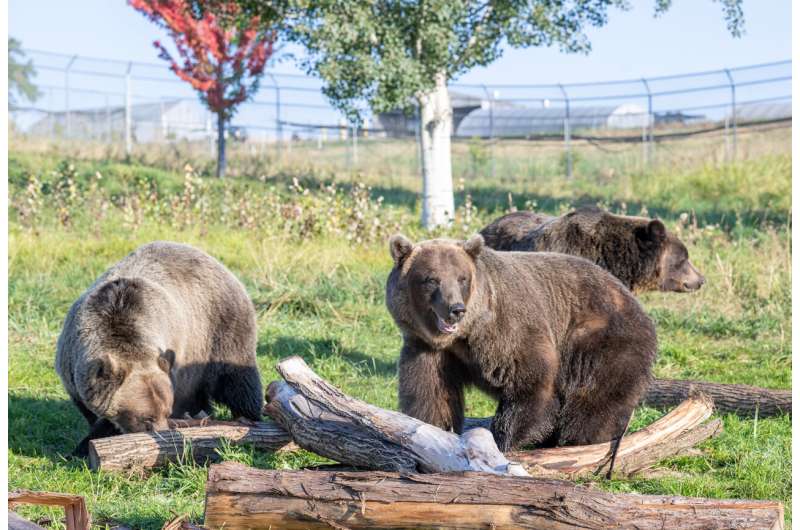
<point x="432" y="284"/>
<point x="125" y="376"/>
<point x="672" y="269"/>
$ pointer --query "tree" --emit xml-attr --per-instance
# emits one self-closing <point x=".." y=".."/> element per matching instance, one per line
<point x="393" y="52"/>
<point x="20" y="73"/>
<point x="222" y="53"/>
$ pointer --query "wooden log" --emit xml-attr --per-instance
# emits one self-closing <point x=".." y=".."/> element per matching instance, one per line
<point x="322" y="419"/>
<point x="743" y="400"/>
<point x="197" y="439"/>
<point x="670" y="435"/>
<point x="239" y="497"/>
<point x="76" y="516"/>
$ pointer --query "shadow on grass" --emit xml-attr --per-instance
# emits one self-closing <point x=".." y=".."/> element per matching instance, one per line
<point x="44" y="427"/>
<point x="286" y="346"/>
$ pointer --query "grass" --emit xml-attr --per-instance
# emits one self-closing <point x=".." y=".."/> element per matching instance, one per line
<point x="315" y="261"/>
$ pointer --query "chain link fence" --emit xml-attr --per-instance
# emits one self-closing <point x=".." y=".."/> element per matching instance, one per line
<point x="501" y="132"/>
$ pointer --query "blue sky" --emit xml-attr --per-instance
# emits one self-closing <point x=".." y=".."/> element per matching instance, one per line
<point x="691" y="36"/>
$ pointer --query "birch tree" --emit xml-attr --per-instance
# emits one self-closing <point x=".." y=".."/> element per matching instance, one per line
<point x="385" y="54"/>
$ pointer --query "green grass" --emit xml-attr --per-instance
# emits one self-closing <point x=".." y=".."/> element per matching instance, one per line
<point x="319" y="294"/>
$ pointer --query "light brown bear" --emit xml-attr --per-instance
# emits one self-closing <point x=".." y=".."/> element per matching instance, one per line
<point x="160" y="334"/>
<point x="563" y="346"/>
<point x="638" y="251"/>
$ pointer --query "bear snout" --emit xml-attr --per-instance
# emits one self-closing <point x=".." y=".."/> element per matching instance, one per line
<point x="457" y="312"/>
<point x="695" y="284"/>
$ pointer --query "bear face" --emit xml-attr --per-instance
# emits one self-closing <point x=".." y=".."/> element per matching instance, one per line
<point x="674" y="271"/>
<point x="135" y="397"/>
<point x="439" y="279"/>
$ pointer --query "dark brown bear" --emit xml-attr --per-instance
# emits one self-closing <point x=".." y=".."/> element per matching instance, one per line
<point x="562" y="344"/>
<point x="638" y="251"/>
<point x="160" y="334"/>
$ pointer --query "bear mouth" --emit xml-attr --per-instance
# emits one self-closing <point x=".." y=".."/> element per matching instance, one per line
<point x="443" y="326"/>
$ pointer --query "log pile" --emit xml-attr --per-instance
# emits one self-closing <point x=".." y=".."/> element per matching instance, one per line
<point x="467" y="481"/>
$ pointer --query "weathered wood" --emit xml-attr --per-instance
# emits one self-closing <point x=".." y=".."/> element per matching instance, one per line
<point x="322" y="419"/>
<point x="197" y="439"/>
<point x="672" y="434"/>
<point x="743" y="400"/>
<point x="241" y="497"/>
<point x="76" y="516"/>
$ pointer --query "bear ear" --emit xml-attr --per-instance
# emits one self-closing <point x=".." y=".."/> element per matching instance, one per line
<point x="107" y="371"/>
<point x="166" y="360"/>
<point x="474" y="245"/>
<point x="400" y="247"/>
<point x="653" y="234"/>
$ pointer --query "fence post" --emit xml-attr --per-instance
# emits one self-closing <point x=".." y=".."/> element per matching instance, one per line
<point x="567" y="134"/>
<point x="490" y="99"/>
<point x="733" y="109"/>
<point x="650" y="121"/>
<point x="109" y="130"/>
<point x="68" y="114"/>
<point x="278" y="121"/>
<point x="128" y="112"/>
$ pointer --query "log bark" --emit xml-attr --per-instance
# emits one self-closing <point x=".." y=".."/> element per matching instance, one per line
<point x="327" y="422"/>
<point x="322" y="419"/>
<point x="197" y="439"/>
<point x="743" y="400"/>
<point x="241" y="497"/>
<point x="670" y="435"/>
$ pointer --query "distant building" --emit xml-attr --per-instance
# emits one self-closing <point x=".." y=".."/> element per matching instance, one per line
<point x="755" y="112"/>
<point x="521" y="122"/>
<point x="397" y="124"/>
<point x="150" y="122"/>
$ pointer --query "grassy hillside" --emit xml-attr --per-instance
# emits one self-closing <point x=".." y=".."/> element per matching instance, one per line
<point x="314" y="259"/>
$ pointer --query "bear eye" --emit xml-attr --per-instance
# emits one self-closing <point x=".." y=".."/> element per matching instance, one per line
<point x="462" y="279"/>
<point x="430" y="281"/>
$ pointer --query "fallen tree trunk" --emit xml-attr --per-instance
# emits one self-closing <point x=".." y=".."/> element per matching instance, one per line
<point x="327" y="422"/>
<point x="743" y="400"/>
<point x="673" y="434"/>
<point x="322" y="419"/>
<point x="241" y="497"/>
<point x="196" y="439"/>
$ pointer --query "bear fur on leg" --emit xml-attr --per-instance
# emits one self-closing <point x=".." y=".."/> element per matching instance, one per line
<point x="563" y="346"/>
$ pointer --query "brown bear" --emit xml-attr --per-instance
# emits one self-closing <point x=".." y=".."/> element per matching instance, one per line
<point x="160" y="334"/>
<point x="563" y="346"/>
<point x="638" y="251"/>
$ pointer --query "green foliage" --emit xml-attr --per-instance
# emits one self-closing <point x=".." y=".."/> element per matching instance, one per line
<point x="20" y="74"/>
<point x="385" y="54"/>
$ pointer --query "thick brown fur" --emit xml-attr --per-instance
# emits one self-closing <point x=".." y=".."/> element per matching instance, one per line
<point x="638" y="251"/>
<point x="160" y="334"/>
<point x="565" y="348"/>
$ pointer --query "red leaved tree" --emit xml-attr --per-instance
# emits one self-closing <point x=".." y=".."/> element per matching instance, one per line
<point x="222" y="54"/>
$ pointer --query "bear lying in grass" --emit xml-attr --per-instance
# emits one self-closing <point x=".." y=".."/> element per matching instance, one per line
<point x="563" y="346"/>
<point x="160" y="334"/>
<point x="638" y="251"/>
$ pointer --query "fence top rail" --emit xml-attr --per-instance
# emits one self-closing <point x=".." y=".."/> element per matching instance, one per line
<point x="482" y="86"/>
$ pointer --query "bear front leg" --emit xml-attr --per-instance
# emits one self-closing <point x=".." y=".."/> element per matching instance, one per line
<point x="524" y="419"/>
<point x="101" y="428"/>
<point x="239" y="388"/>
<point x="432" y="386"/>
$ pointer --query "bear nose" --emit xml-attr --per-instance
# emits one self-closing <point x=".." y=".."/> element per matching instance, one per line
<point x="457" y="311"/>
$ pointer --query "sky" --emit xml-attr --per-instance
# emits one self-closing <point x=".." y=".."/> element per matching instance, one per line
<point x="690" y="37"/>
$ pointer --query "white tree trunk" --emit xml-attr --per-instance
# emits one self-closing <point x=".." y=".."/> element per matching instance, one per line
<point x="435" y="128"/>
